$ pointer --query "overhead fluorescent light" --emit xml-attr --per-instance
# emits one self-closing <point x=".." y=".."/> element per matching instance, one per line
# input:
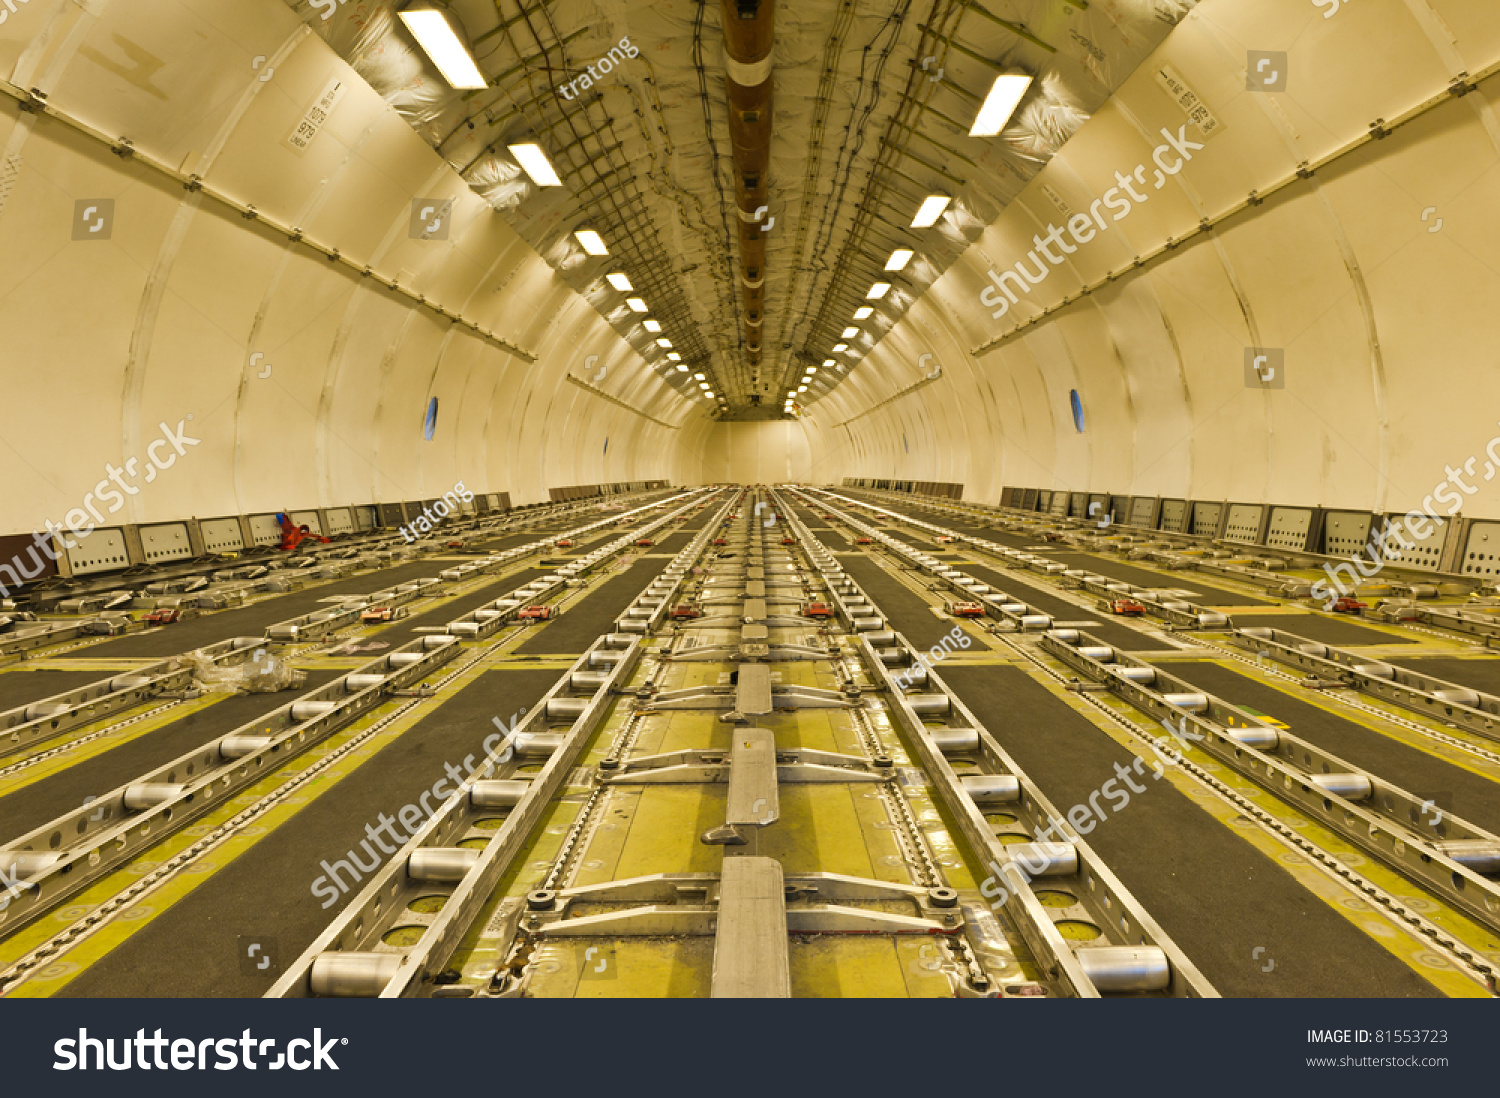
<point x="879" y="290"/>
<point x="664" y="343"/>
<point x="837" y="347"/>
<point x="899" y="259"/>
<point x="829" y="362"/>
<point x="703" y="385"/>
<point x="652" y="325"/>
<point x="1002" y="101"/>
<point x="802" y="388"/>
<point x="849" y="333"/>
<point x="862" y="312"/>
<point x="620" y="281"/>
<point x="699" y="377"/>
<point x="675" y="357"/>
<point x="591" y="241"/>
<point x="637" y="305"/>
<point x="531" y="157"/>
<point x="932" y="208"/>
<point x="440" y="38"/>
<point x="681" y="369"/>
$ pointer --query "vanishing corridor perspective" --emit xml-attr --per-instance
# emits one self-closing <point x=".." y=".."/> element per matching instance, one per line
<point x="711" y="498"/>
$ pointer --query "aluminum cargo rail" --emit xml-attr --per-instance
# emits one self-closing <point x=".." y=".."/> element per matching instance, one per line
<point x="1440" y="699"/>
<point x="349" y="958"/>
<point x="1367" y="810"/>
<point x="1139" y="957"/>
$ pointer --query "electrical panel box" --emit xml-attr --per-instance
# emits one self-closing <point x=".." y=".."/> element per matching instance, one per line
<point x="1174" y="515"/>
<point x="1060" y="504"/>
<point x="309" y="519"/>
<point x="166" y="541"/>
<point x="1143" y="512"/>
<point x="340" y="520"/>
<point x="265" y="530"/>
<point x="1244" y="522"/>
<point x="1481" y="555"/>
<point x="1426" y="552"/>
<point x="1288" y="528"/>
<point x="102" y="551"/>
<point x="1206" y="518"/>
<point x="221" y="535"/>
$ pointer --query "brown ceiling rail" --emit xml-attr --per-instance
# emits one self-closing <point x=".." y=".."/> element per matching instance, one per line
<point x="749" y="30"/>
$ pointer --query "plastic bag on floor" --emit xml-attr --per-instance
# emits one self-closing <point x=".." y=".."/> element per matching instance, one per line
<point x="263" y="673"/>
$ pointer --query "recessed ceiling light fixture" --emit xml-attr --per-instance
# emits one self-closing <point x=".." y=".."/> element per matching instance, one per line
<point x="637" y="305"/>
<point x="591" y="241"/>
<point x="899" y="259"/>
<point x="879" y="290"/>
<point x="1001" y="102"/>
<point x="531" y="157"/>
<point x="849" y="333"/>
<point x="681" y="369"/>
<point x="839" y="347"/>
<point x="931" y="209"/>
<point x="439" y="34"/>
<point x="620" y="281"/>
<point x="862" y="312"/>
<point x="652" y="325"/>
<point x="664" y="342"/>
<point x="675" y="357"/>
<point x="829" y="362"/>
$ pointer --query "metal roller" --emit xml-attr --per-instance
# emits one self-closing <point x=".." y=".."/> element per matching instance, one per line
<point x="306" y="711"/>
<point x="599" y="658"/>
<point x="464" y="628"/>
<point x="1125" y="968"/>
<point x="1259" y="632"/>
<point x="1014" y="607"/>
<point x="237" y="747"/>
<point x="128" y="682"/>
<point x="1376" y="670"/>
<point x="1100" y="652"/>
<point x="42" y="710"/>
<point x="352" y="975"/>
<point x="881" y="637"/>
<point x="1260" y="737"/>
<point x="1479" y="855"/>
<point x="867" y="625"/>
<point x="144" y="795"/>
<point x="893" y="657"/>
<point x="1036" y="621"/>
<point x="1193" y="703"/>
<point x="566" y="709"/>
<point x="402" y="659"/>
<point x="1184" y="608"/>
<point x="21" y="864"/>
<point x="588" y="680"/>
<point x="917" y="676"/>
<point x="1143" y="675"/>
<point x="618" y="640"/>
<point x="497" y="793"/>
<point x="1212" y="620"/>
<point x="930" y="705"/>
<point x="1457" y="695"/>
<point x="431" y="644"/>
<point x="955" y="741"/>
<point x="1313" y="648"/>
<point x="355" y="683"/>
<point x="283" y="632"/>
<point x="1066" y="636"/>
<point x="1352" y="787"/>
<point x="486" y="615"/>
<point x="991" y="788"/>
<point x="441" y="864"/>
<point x="1055" y="859"/>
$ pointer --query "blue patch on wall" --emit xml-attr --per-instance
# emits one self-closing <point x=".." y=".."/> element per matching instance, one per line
<point x="606" y="445"/>
<point x="430" y="426"/>
<point x="906" y="444"/>
<point x="1077" y="402"/>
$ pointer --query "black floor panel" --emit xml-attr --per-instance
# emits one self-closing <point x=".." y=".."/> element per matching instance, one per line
<point x="1216" y="895"/>
<point x="191" y="950"/>
<point x="586" y="620"/>
<point x="40" y="802"/>
<point x="1325" y="630"/>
